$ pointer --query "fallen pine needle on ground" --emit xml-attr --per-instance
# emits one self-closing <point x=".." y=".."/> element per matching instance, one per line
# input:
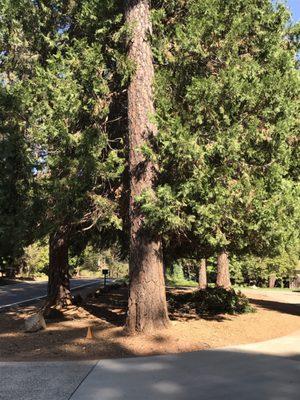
<point x="65" y="336"/>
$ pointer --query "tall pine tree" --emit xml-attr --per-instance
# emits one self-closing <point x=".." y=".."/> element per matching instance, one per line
<point x="147" y="308"/>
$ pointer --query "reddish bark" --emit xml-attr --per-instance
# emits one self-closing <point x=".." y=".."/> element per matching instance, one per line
<point x="223" y="275"/>
<point x="202" y="274"/>
<point x="147" y="307"/>
<point x="272" y="281"/>
<point x="59" y="293"/>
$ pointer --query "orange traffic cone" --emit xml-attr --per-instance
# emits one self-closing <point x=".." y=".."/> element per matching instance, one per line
<point x="89" y="334"/>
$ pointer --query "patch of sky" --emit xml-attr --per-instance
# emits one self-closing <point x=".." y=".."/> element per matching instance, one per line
<point x="293" y="6"/>
<point x="63" y="29"/>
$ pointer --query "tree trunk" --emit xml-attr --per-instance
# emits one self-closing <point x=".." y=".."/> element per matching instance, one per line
<point x="147" y="306"/>
<point x="272" y="281"/>
<point x="223" y="276"/>
<point x="59" y="293"/>
<point x="202" y="274"/>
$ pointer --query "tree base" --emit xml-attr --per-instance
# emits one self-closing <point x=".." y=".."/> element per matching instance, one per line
<point x="131" y="328"/>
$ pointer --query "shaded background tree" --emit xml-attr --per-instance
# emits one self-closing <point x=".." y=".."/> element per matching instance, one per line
<point x="227" y="109"/>
<point x="72" y="76"/>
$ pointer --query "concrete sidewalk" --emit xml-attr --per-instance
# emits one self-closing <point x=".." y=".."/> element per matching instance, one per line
<point x="211" y="375"/>
<point x="259" y="371"/>
<point x="41" y="380"/>
<point x="287" y="346"/>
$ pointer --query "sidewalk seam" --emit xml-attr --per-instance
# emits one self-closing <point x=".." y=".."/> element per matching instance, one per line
<point x="82" y="380"/>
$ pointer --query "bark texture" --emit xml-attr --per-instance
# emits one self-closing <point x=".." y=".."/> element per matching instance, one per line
<point x="272" y="281"/>
<point x="147" y="306"/>
<point x="202" y="274"/>
<point x="59" y="293"/>
<point x="223" y="275"/>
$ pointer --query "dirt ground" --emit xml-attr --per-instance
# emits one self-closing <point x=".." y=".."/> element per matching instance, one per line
<point x="65" y="337"/>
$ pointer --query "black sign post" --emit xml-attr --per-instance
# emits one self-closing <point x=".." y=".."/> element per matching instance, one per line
<point x="105" y="273"/>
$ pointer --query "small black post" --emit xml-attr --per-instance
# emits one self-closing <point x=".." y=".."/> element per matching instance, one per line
<point x="105" y="273"/>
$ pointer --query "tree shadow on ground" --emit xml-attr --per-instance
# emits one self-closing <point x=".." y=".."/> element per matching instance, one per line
<point x="112" y="307"/>
<point x="60" y="341"/>
<point x="286" y="308"/>
<point x="107" y="313"/>
<point x="109" y="306"/>
<point x="213" y="375"/>
<point x="216" y="375"/>
<point x="65" y="338"/>
<point x="174" y="316"/>
<point x="8" y="281"/>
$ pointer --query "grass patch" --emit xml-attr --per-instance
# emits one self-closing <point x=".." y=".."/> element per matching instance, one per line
<point x="176" y="282"/>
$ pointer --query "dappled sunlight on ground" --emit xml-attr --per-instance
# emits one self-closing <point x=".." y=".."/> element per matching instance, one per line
<point x="65" y="336"/>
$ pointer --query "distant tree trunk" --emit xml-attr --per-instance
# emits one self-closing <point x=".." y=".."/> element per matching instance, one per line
<point x="147" y="306"/>
<point x="202" y="274"/>
<point x="10" y="269"/>
<point x="59" y="293"/>
<point x="223" y="276"/>
<point x="272" y="281"/>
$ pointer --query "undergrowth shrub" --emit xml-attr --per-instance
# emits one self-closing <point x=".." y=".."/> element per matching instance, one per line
<point x="211" y="301"/>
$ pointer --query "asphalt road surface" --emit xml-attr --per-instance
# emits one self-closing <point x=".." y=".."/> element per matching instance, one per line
<point x="22" y="293"/>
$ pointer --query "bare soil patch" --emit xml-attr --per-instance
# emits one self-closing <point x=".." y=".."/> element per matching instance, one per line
<point x="64" y="338"/>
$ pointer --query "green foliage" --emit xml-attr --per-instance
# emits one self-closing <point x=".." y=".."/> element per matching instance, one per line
<point x="237" y="267"/>
<point x="227" y="100"/>
<point x="35" y="260"/>
<point x="62" y="69"/>
<point x="182" y="272"/>
<point x="209" y="302"/>
<point x="228" y="112"/>
<point x="69" y="120"/>
<point x="257" y="270"/>
<point x="175" y="281"/>
<point x="15" y="195"/>
<point x="177" y="270"/>
<point x="112" y="260"/>
<point x="91" y="262"/>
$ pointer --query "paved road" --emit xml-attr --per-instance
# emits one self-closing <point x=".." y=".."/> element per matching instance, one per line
<point x="28" y="291"/>
<point x="275" y="295"/>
